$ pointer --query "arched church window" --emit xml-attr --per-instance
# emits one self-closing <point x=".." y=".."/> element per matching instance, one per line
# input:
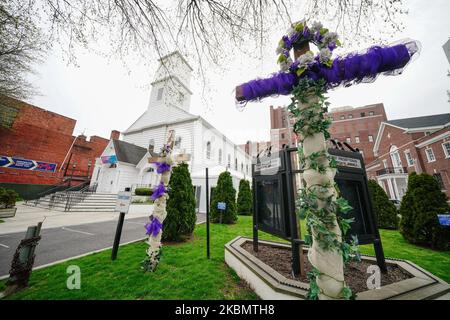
<point x="242" y="167"/>
<point x="208" y="150"/>
<point x="235" y="164"/>
<point x="178" y="142"/>
<point x="229" y="161"/>
<point x="160" y="94"/>
<point x="220" y="156"/>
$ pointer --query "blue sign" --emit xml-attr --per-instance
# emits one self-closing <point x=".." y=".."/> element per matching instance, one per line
<point x="26" y="164"/>
<point x="221" y="205"/>
<point x="444" y="219"/>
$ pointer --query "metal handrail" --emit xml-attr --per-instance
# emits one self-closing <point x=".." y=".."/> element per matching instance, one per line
<point x="391" y="170"/>
<point x="73" y="198"/>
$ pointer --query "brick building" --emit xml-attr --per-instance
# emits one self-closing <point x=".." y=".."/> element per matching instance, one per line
<point x="357" y="126"/>
<point x="37" y="148"/>
<point x="420" y="144"/>
<point x="253" y="148"/>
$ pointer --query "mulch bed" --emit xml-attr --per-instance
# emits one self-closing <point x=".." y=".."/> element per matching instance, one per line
<point x="279" y="259"/>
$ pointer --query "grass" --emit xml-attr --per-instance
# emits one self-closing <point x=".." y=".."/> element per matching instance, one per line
<point x="184" y="271"/>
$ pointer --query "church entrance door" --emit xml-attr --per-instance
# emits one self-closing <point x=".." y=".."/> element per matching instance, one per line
<point x="107" y="180"/>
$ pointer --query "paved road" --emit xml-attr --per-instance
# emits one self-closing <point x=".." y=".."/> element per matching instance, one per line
<point x="65" y="242"/>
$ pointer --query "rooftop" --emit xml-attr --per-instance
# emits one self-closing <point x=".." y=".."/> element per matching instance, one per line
<point x="422" y="122"/>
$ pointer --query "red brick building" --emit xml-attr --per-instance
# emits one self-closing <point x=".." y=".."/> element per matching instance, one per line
<point x="420" y="144"/>
<point x="356" y="126"/>
<point x="43" y="143"/>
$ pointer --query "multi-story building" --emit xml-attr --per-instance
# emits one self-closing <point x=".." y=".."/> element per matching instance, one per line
<point x="356" y="126"/>
<point x="38" y="149"/>
<point x="419" y="144"/>
<point x="253" y="148"/>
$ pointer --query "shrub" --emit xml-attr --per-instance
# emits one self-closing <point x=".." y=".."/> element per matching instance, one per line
<point x="244" y="199"/>
<point x="8" y="198"/>
<point x="224" y="192"/>
<point x="420" y="206"/>
<point x="384" y="210"/>
<point x="143" y="191"/>
<point x="181" y="216"/>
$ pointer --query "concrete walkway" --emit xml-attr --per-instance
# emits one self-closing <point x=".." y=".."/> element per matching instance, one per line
<point x="27" y="216"/>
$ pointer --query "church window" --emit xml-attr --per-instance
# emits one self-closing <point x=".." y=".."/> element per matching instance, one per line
<point x="160" y="94"/>
<point x="246" y="168"/>
<point x="229" y="161"/>
<point x="177" y="142"/>
<point x="208" y="150"/>
<point x="242" y="167"/>
<point x="220" y="156"/>
<point x="235" y="164"/>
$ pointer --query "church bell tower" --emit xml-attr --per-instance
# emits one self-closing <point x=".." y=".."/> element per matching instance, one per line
<point x="171" y="86"/>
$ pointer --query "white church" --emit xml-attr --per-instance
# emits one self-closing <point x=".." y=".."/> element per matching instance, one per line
<point x="124" y="163"/>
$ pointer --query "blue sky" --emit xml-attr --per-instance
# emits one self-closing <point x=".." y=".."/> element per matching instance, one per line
<point x="103" y="94"/>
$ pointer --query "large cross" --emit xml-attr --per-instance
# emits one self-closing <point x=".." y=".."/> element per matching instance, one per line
<point x="313" y="76"/>
<point x="164" y="161"/>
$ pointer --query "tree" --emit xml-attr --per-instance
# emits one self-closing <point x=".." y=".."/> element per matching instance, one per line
<point x="21" y="46"/>
<point x="420" y="206"/>
<point x="181" y="216"/>
<point x="244" y="200"/>
<point x="208" y="31"/>
<point x="384" y="210"/>
<point x="224" y="192"/>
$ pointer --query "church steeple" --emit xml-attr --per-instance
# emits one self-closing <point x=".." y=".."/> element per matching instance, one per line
<point x="171" y="84"/>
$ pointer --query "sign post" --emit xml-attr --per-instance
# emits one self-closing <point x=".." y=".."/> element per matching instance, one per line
<point x="122" y="205"/>
<point x="207" y="214"/>
<point x="222" y="206"/>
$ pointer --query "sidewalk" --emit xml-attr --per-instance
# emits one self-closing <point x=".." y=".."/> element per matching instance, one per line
<point x="27" y="216"/>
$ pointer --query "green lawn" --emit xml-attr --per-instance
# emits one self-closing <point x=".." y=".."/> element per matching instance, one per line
<point x="184" y="272"/>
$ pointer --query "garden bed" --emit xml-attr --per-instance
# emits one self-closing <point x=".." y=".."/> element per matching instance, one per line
<point x="279" y="258"/>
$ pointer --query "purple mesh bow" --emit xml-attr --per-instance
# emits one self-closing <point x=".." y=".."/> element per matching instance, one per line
<point x="158" y="191"/>
<point x="153" y="227"/>
<point x="162" y="167"/>
<point x="347" y="70"/>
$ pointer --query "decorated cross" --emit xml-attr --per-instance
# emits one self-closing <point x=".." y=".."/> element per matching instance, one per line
<point x="308" y="77"/>
<point x="164" y="163"/>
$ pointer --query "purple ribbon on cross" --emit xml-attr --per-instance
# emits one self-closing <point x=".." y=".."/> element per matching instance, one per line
<point x="158" y="191"/>
<point x="153" y="227"/>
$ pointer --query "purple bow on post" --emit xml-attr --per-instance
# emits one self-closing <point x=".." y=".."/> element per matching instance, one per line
<point x="162" y="167"/>
<point x="158" y="191"/>
<point x="153" y="227"/>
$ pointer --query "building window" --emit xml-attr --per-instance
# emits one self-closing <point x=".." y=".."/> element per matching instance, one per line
<point x="235" y="164"/>
<point x="208" y="150"/>
<point x="430" y="155"/>
<point x="371" y="113"/>
<point x="342" y="117"/>
<point x="177" y="142"/>
<point x="220" y="156"/>
<point x="246" y="168"/>
<point x="160" y="94"/>
<point x="439" y="180"/>
<point x="242" y="167"/>
<point x="395" y="157"/>
<point x="363" y="114"/>
<point x="229" y="161"/>
<point x="356" y="139"/>
<point x="446" y="147"/>
<point x="349" y="140"/>
<point x="409" y="158"/>
<point x="350" y="116"/>
<point x="282" y="136"/>
<point x="370" y="138"/>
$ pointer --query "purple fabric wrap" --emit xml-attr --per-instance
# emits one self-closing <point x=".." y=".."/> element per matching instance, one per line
<point x="347" y="70"/>
<point x="162" y="167"/>
<point x="153" y="227"/>
<point x="158" y="191"/>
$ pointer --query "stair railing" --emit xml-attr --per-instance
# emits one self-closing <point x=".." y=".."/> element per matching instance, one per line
<point x="73" y="198"/>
